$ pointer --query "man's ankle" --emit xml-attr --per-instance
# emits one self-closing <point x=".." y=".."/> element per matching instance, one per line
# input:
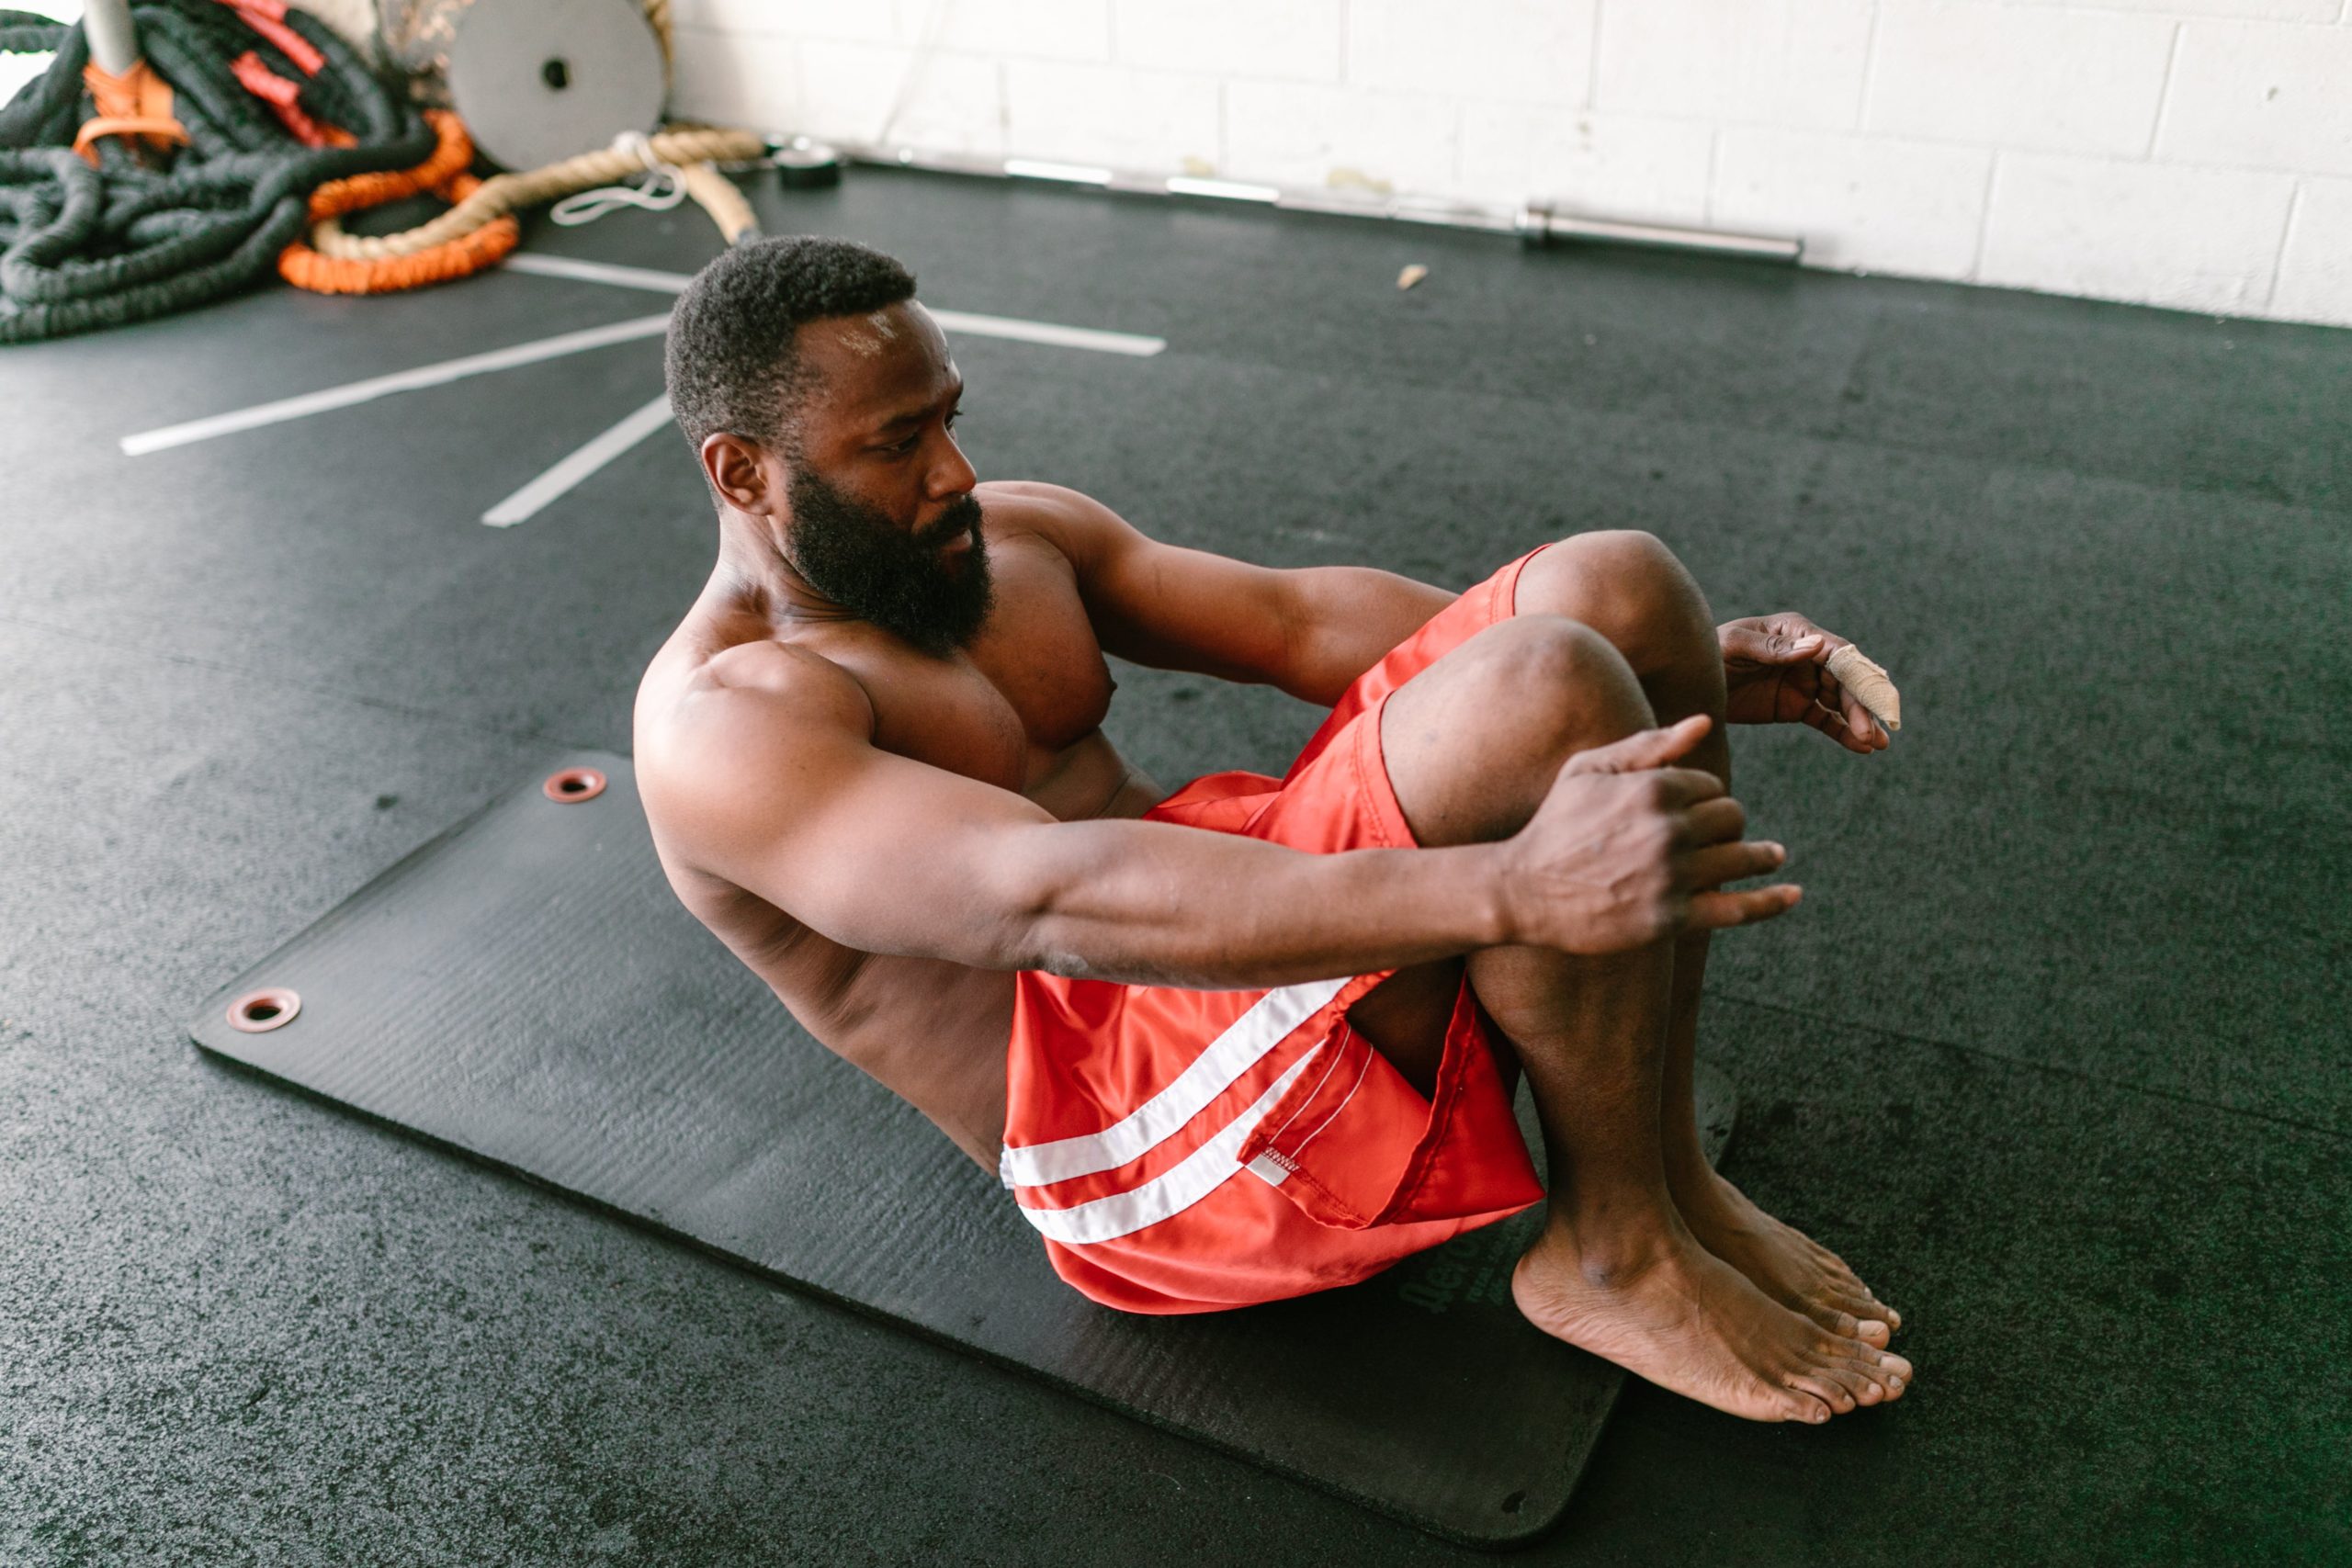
<point x="1606" y="1252"/>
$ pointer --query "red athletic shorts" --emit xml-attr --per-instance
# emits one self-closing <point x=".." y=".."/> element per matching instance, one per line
<point x="1189" y="1151"/>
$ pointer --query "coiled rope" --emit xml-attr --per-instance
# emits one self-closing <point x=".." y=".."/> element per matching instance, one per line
<point x="480" y="227"/>
<point x="446" y="175"/>
<point x="85" y="246"/>
<point x="691" y="149"/>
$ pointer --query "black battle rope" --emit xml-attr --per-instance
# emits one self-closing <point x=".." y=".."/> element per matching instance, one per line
<point x="83" y="248"/>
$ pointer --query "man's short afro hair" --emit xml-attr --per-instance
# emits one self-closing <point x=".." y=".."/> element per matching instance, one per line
<point x="730" y="360"/>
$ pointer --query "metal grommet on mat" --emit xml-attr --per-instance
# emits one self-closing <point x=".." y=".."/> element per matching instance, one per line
<point x="258" y="1012"/>
<point x="573" y="785"/>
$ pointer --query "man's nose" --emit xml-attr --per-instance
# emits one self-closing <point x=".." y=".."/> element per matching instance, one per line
<point x="952" y="474"/>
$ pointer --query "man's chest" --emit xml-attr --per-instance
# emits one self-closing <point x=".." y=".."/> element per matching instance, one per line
<point x="1032" y="685"/>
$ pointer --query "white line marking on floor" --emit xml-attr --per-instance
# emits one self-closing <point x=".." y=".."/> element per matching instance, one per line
<point x="1047" y="332"/>
<point x="954" y="321"/>
<point x="384" y="385"/>
<point x="598" y="271"/>
<point x="564" y="475"/>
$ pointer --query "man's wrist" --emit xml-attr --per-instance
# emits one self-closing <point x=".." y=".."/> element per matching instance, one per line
<point x="1484" y="875"/>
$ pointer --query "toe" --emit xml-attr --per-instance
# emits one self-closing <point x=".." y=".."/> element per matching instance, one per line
<point x="1852" y="1320"/>
<point x="1823" y="1384"/>
<point x="1849" y="1375"/>
<point x="1798" y="1405"/>
<point x="1870" y="1388"/>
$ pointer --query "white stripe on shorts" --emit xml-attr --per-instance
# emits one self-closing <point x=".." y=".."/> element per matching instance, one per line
<point x="1182" y="1185"/>
<point x="1268" y="1022"/>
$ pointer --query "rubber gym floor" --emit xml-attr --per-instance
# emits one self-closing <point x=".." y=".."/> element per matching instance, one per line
<point x="2053" y="1052"/>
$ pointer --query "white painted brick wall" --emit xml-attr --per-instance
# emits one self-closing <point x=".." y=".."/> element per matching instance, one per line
<point x="1296" y="40"/>
<point x="2275" y="10"/>
<point x="862" y="92"/>
<point x="2315" y="273"/>
<point x="1529" y="50"/>
<point x="1584" y="161"/>
<point x="2260" y="97"/>
<point x="1768" y="61"/>
<point x="791" y="19"/>
<point x="1318" y="136"/>
<point x="1023" y="30"/>
<point x="1143" y="119"/>
<point x="2203" y="239"/>
<point x="1873" y="203"/>
<point x="735" y="78"/>
<point x="2195" y="153"/>
<point x="1995" y="77"/>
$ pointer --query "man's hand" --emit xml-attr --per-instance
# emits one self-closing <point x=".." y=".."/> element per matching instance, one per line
<point x="1773" y="675"/>
<point x="1626" y="850"/>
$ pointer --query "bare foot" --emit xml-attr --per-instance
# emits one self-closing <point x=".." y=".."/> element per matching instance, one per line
<point x="1783" y="1262"/>
<point x="1689" y="1322"/>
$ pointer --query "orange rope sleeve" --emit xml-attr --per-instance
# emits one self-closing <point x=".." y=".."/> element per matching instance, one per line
<point x="446" y="175"/>
<point x="509" y="193"/>
<point x="137" y="103"/>
<point x="450" y="157"/>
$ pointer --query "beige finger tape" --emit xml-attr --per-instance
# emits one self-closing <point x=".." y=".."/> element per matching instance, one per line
<point x="1869" y="683"/>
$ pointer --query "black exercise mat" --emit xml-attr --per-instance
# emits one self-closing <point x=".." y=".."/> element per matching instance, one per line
<point x="526" y="989"/>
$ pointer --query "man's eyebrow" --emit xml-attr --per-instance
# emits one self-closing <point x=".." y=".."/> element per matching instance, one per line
<point x="954" y="395"/>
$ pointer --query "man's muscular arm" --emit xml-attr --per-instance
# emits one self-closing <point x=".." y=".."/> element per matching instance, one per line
<point x="772" y="783"/>
<point x="1308" y="631"/>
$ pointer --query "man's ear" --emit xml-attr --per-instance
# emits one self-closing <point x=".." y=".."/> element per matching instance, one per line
<point x="744" y="474"/>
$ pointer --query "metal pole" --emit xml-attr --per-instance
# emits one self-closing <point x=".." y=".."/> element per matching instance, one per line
<point x="1538" y="225"/>
<point x="1535" y="222"/>
<point x="114" y="38"/>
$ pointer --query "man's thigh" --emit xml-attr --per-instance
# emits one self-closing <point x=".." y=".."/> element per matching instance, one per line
<point x="1405" y="1017"/>
<point x="1470" y="743"/>
<point x="1469" y="748"/>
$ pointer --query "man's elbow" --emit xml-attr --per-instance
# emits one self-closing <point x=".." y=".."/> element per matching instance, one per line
<point x="1008" y="918"/>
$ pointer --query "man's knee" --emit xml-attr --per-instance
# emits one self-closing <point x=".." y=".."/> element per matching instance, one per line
<point x="1556" y="685"/>
<point x="1473" y="743"/>
<point x="1628" y="586"/>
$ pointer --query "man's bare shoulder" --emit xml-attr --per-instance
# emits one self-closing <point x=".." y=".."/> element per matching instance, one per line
<point x="1071" y="521"/>
<point x="738" y="715"/>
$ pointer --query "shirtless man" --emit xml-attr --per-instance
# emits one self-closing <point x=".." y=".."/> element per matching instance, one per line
<point x="1259" y="1037"/>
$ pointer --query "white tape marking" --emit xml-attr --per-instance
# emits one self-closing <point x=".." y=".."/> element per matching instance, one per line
<point x="1047" y="332"/>
<point x="385" y="386"/>
<point x="643" y="277"/>
<point x="564" y="475"/>
<point x="954" y="321"/>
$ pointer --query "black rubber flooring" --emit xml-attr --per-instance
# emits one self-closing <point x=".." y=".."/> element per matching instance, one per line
<point x="2054" y="1052"/>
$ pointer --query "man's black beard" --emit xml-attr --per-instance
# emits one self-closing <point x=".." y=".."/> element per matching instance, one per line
<point x="857" y="557"/>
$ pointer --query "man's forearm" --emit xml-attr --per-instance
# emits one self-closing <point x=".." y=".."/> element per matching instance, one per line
<point x="1159" y="904"/>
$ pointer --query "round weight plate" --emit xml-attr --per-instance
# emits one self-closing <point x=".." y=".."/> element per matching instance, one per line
<point x="538" y="81"/>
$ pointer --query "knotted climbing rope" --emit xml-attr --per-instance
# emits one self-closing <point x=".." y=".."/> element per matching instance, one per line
<point x="101" y="238"/>
<point x="690" y="151"/>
